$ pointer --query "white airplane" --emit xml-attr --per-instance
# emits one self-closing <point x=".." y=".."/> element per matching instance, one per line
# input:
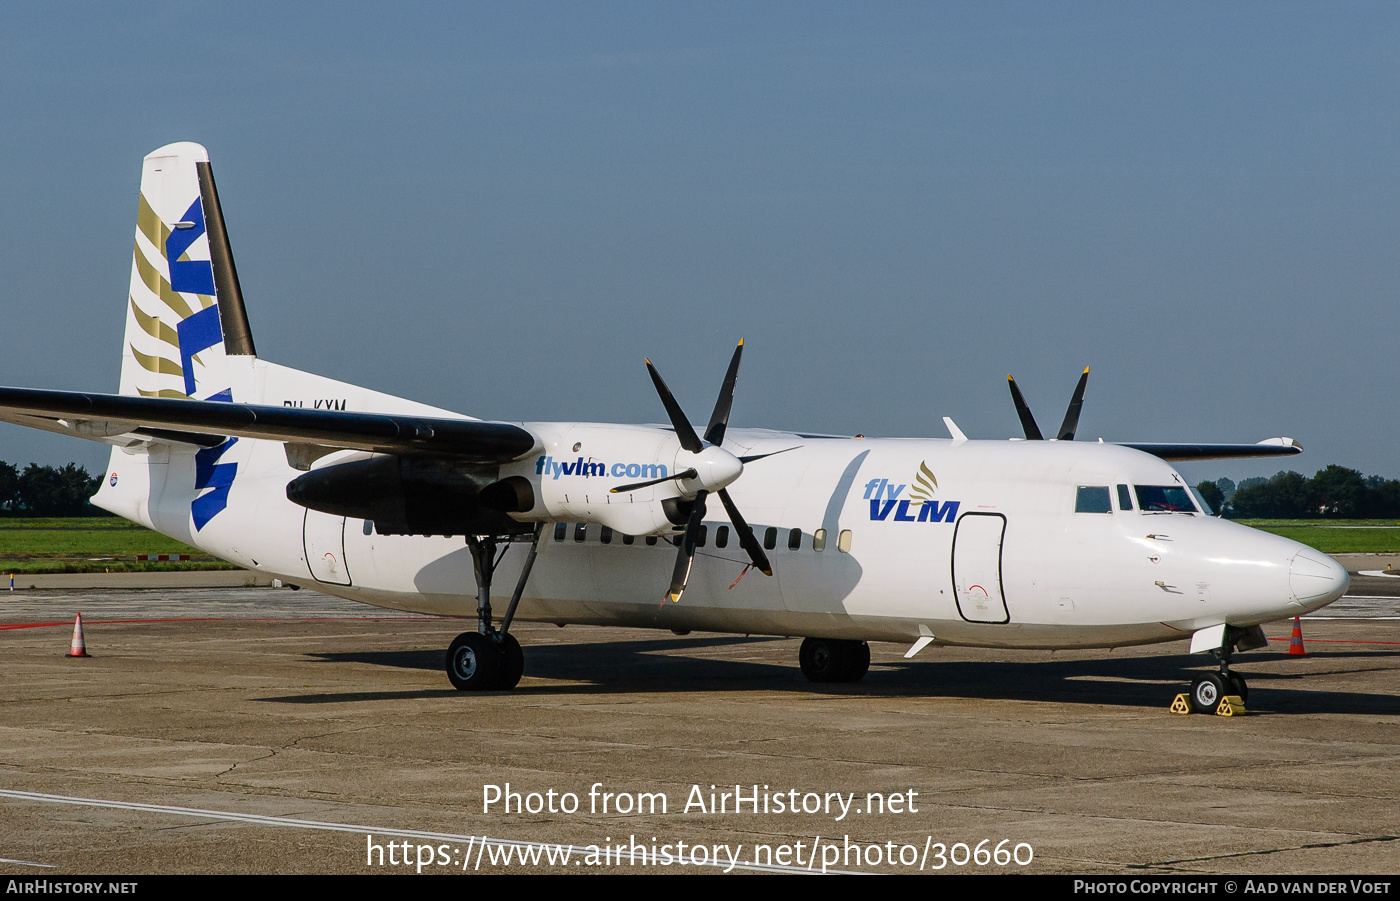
<point x="1008" y="544"/>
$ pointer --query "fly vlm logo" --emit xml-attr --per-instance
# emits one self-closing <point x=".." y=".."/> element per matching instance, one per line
<point x="884" y="497"/>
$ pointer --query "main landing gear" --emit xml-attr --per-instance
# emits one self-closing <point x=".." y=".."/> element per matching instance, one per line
<point x="834" y="660"/>
<point x="490" y="659"/>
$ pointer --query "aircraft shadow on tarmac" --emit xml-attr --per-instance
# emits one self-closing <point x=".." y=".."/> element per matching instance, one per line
<point x="667" y="665"/>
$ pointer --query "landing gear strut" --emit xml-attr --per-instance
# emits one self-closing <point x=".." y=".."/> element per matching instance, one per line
<point x="490" y="658"/>
<point x="1207" y="689"/>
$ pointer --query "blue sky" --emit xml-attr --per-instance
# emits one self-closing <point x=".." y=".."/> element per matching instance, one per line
<point x="502" y="208"/>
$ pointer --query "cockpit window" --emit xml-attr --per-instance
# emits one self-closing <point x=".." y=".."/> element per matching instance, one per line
<point x="1125" y="500"/>
<point x="1164" y="499"/>
<point x="1092" y="499"/>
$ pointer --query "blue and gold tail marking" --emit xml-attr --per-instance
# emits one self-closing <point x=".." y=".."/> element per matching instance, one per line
<point x="212" y="477"/>
<point x="189" y="276"/>
<point x="209" y="473"/>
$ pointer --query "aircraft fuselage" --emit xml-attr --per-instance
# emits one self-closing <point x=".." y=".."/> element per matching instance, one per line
<point x="967" y="542"/>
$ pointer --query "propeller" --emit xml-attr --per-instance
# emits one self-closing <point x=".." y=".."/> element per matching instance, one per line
<point x="1071" y="421"/>
<point x="713" y="469"/>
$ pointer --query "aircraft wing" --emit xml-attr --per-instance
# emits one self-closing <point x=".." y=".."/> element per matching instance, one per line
<point x="1272" y="447"/>
<point x="205" y="423"/>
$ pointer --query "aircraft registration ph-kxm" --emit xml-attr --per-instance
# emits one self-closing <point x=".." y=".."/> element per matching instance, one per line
<point x="1009" y="544"/>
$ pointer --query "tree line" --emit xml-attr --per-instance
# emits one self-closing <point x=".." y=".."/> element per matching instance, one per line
<point x="46" y="491"/>
<point x="1333" y="493"/>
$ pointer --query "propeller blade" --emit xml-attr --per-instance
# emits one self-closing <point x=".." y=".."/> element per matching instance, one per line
<point x="684" y="430"/>
<point x="746" y="536"/>
<point x="1076" y="403"/>
<point x="1027" y="420"/>
<point x="688" y="474"/>
<point x="752" y="457"/>
<point x="719" y="419"/>
<point x="685" y="556"/>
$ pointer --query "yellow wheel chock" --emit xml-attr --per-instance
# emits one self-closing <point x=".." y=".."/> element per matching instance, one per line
<point x="1230" y="705"/>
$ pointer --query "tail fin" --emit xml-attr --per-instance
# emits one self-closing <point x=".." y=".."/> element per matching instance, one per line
<point x="185" y="313"/>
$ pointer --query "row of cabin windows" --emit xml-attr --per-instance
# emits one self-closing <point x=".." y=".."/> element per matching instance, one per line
<point x="722" y="537"/>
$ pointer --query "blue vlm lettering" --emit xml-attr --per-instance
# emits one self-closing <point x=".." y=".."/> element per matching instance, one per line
<point x="579" y="467"/>
<point x="929" y="511"/>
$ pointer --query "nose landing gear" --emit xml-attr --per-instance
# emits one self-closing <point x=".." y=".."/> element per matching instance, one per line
<point x="1208" y="690"/>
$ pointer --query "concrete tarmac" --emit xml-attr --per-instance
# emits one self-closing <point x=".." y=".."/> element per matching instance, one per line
<point x="252" y="730"/>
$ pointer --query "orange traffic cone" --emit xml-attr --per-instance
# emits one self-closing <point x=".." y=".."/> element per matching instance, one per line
<point x="1295" y="644"/>
<point x="79" y="649"/>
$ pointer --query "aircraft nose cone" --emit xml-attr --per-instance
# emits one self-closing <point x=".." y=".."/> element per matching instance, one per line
<point x="1316" y="579"/>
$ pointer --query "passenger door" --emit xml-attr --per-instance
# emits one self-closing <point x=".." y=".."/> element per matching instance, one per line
<point x="323" y="538"/>
<point x="977" y="567"/>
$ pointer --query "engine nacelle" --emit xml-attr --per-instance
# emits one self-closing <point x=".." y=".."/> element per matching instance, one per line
<point x="572" y="477"/>
<point x="413" y="496"/>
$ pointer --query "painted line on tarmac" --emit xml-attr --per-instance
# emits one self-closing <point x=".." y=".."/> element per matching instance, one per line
<point x="1348" y="619"/>
<point x="28" y="863"/>
<point x="105" y="622"/>
<point x="479" y="841"/>
<point x="214" y="619"/>
<point x="1342" y="640"/>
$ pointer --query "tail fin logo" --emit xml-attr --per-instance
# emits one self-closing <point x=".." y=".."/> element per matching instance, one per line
<point x="197" y="332"/>
<point x="189" y="276"/>
<point x="172" y="287"/>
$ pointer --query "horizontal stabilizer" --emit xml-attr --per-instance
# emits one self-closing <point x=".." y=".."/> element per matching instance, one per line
<point x="1272" y="447"/>
<point x="469" y="440"/>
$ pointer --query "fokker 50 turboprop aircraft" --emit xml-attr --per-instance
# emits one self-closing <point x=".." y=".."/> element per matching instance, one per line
<point x="1016" y="544"/>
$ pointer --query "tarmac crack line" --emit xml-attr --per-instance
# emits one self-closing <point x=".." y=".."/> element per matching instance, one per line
<point x="271" y="753"/>
<point x="1267" y="851"/>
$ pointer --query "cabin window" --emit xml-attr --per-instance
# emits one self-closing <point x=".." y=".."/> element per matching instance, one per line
<point x="561" y="529"/>
<point x="651" y="541"/>
<point x="701" y="535"/>
<point x="770" y="538"/>
<point x="580" y="531"/>
<point x="819" y="540"/>
<point x="605" y="535"/>
<point x="1125" y="498"/>
<point x="1092" y="499"/>
<point x="1163" y="499"/>
<point x="369" y="526"/>
<point x="722" y="536"/>
<point x="794" y="539"/>
<point x="843" y="541"/>
<point x="628" y="539"/>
